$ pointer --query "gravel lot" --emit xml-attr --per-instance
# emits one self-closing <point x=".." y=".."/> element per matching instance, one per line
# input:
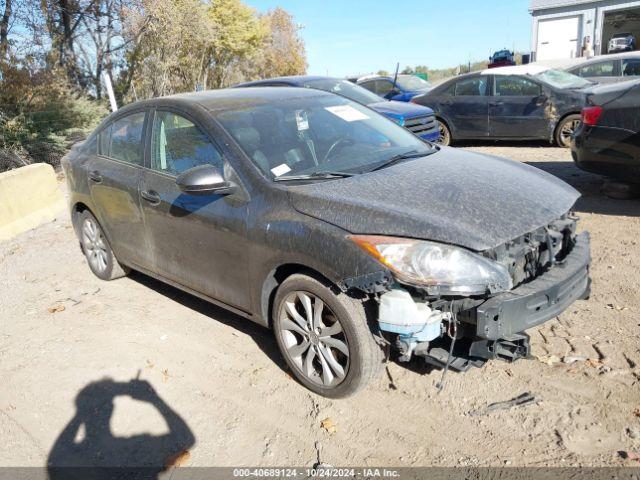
<point x="71" y="346"/>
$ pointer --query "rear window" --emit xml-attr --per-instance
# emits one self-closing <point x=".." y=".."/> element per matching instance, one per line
<point x="631" y="67"/>
<point x="475" y="87"/>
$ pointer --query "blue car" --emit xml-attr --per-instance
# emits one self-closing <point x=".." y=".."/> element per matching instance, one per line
<point x="406" y="86"/>
<point x="418" y="119"/>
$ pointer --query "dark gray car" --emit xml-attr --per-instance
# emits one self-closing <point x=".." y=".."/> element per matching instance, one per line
<point x="525" y="102"/>
<point x="317" y="217"/>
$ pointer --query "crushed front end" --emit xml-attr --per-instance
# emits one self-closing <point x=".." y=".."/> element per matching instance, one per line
<point x="548" y="270"/>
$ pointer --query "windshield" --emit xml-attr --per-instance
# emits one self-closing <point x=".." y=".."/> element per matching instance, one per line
<point x="562" y="80"/>
<point x="502" y="55"/>
<point x="411" y="82"/>
<point x="346" y="89"/>
<point x="307" y="134"/>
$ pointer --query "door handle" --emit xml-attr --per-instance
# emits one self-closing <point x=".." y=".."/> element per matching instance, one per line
<point x="448" y="103"/>
<point x="151" y="196"/>
<point x="95" y="176"/>
<point x="496" y="104"/>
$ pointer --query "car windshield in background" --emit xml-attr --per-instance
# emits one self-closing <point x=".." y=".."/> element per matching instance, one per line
<point x="562" y="80"/>
<point x="311" y="135"/>
<point x="411" y="82"/>
<point x="346" y="89"/>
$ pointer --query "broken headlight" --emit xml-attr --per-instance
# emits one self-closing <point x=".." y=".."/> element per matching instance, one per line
<point x="452" y="270"/>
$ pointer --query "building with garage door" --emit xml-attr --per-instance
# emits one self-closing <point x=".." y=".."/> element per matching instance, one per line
<point x="577" y="28"/>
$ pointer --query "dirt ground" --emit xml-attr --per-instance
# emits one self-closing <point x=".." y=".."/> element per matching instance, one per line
<point x="223" y="393"/>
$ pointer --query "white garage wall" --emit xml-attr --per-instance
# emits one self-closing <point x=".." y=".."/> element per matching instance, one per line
<point x="591" y="12"/>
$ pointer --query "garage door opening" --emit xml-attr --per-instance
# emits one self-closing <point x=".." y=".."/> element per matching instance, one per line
<point x="558" y="38"/>
<point x="619" y="29"/>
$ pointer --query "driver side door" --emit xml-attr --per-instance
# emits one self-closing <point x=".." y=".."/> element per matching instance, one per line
<point x="198" y="241"/>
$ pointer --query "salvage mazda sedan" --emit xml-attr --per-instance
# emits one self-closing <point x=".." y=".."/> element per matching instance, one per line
<point x="319" y="218"/>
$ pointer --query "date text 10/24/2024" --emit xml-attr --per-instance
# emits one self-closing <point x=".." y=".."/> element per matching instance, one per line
<point x="320" y="472"/>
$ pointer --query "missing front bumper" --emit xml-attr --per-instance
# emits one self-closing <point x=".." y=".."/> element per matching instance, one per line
<point x="540" y="300"/>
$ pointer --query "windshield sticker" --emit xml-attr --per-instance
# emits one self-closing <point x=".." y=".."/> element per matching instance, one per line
<point x="347" y="113"/>
<point x="280" y="169"/>
<point x="301" y="120"/>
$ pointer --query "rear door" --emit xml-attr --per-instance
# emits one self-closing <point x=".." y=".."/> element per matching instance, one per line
<point x="465" y="106"/>
<point x="113" y="175"/>
<point x="197" y="241"/>
<point x="517" y="108"/>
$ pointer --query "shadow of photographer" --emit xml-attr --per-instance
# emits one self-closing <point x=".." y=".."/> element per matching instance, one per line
<point x="87" y="449"/>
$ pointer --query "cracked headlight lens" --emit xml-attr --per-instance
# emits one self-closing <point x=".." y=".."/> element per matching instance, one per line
<point x="452" y="270"/>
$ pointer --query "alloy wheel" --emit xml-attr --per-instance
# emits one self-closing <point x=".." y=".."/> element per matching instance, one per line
<point x="313" y="339"/>
<point x="567" y="130"/>
<point x="94" y="245"/>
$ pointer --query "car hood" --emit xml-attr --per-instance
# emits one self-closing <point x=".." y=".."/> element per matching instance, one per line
<point x="452" y="196"/>
<point x="400" y="109"/>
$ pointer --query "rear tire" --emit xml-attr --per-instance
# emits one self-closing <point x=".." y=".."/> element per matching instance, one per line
<point x="97" y="250"/>
<point x="566" y="129"/>
<point x="445" y="134"/>
<point x="324" y="337"/>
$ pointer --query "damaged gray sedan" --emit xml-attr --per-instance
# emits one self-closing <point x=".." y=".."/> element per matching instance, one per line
<point x="333" y="226"/>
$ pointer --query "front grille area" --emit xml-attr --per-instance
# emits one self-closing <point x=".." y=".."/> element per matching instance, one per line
<point x="421" y="125"/>
<point x="530" y="255"/>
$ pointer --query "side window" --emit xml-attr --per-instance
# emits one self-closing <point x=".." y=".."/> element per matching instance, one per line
<point x="471" y="87"/>
<point x="600" y="69"/>
<point x="383" y="87"/>
<point x="126" y="139"/>
<point x="631" y="67"/>
<point x="516" y="86"/>
<point x="450" y="90"/>
<point x="178" y="145"/>
<point x="104" y="140"/>
<point x="371" y="86"/>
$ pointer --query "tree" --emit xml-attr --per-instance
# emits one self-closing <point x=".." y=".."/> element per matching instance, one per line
<point x="4" y="29"/>
<point x="282" y="52"/>
<point x="238" y="34"/>
<point x="169" y="43"/>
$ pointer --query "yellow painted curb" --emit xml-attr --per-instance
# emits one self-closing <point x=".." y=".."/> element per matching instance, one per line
<point x="29" y="196"/>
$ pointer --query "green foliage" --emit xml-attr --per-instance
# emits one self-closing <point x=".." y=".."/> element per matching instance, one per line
<point x="40" y="114"/>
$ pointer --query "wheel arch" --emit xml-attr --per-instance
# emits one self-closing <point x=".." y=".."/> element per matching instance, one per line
<point x="559" y="122"/>
<point x="275" y="278"/>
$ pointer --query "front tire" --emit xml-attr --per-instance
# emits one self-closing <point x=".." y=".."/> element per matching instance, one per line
<point x="324" y="337"/>
<point x="96" y="249"/>
<point x="565" y="130"/>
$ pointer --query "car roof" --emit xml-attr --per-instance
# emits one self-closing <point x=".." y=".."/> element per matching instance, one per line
<point x="528" y="69"/>
<point x="291" y="79"/>
<point x="229" y="98"/>
<point x="611" y="56"/>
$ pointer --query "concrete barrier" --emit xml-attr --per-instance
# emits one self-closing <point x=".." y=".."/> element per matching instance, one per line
<point x="29" y="196"/>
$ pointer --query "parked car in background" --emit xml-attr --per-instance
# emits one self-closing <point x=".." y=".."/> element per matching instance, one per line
<point x="610" y="68"/>
<point x="525" y="102"/>
<point x="406" y="86"/>
<point x="418" y="120"/>
<point x="622" y="42"/>
<point x="315" y="216"/>
<point x="502" y="58"/>
<point x="608" y="139"/>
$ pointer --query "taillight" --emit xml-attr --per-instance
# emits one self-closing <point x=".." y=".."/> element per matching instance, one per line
<point x="590" y="115"/>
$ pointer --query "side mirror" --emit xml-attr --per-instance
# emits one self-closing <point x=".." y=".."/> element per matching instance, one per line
<point x="204" y="180"/>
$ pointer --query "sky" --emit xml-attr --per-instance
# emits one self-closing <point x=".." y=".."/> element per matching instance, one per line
<point x="350" y="37"/>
